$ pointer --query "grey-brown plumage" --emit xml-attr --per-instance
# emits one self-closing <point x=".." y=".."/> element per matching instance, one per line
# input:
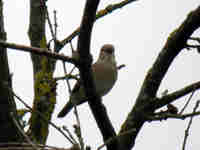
<point x="105" y="76"/>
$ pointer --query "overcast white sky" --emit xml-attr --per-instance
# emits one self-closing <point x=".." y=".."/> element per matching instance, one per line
<point x="138" y="32"/>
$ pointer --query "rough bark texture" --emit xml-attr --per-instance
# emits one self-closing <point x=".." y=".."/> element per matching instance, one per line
<point x="8" y="129"/>
<point x="95" y="104"/>
<point x="43" y="68"/>
<point x="145" y="103"/>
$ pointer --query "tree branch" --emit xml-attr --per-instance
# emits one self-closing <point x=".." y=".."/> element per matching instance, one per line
<point x="41" y="116"/>
<point x="160" y="102"/>
<point x="175" y="43"/>
<point x="189" y="125"/>
<point x="9" y="132"/>
<point x="43" y="69"/>
<point x="110" y="8"/>
<point x="38" y="51"/>
<point x="95" y="104"/>
<point x="187" y="102"/>
<point x="172" y="116"/>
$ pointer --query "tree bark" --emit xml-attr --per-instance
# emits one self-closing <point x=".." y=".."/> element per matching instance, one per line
<point x="43" y="68"/>
<point x="9" y="131"/>
<point x="145" y="102"/>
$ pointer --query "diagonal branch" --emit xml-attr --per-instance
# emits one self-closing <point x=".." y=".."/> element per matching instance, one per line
<point x="187" y="102"/>
<point x="110" y="8"/>
<point x="175" y="43"/>
<point x="38" y="51"/>
<point x="189" y="125"/>
<point x="160" y="102"/>
<point x="41" y="115"/>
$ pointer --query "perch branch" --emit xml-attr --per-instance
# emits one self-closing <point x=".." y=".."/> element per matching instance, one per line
<point x="98" y="110"/>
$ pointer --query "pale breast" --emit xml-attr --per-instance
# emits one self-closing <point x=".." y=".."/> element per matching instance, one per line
<point x="105" y="78"/>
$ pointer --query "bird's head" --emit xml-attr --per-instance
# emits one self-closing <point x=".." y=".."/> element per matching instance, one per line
<point x="107" y="54"/>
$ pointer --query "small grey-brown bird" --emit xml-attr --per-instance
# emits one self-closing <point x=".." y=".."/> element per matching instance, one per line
<point x="105" y="76"/>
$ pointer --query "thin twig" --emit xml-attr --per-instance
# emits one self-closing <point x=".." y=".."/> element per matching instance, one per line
<point x="67" y="79"/>
<point x="164" y="116"/>
<point x="186" y="104"/>
<point x="55" y="24"/>
<point x="189" y="125"/>
<point x="75" y="108"/>
<point x="50" y="25"/>
<point x="69" y="76"/>
<point x="69" y="133"/>
<point x="41" y="115"/>
<point x="24" y="134"/>
<point x="57" y="44"/>
<point x="72" y="48"/>
<point x="10" y="145"/>
<point x="49" y="21"/>
<point x="79" y="134"/>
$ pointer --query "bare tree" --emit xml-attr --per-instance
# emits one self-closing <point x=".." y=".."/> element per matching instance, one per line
<point x="44" y="59"/>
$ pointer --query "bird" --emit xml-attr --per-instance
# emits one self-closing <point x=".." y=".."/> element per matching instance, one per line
<point x="105" y="74"/>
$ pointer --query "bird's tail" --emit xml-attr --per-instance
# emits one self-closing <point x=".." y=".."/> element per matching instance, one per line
<point x="67" y="108"/>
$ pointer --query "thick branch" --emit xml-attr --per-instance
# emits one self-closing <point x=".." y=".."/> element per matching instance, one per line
<point x="175" y="43"/>
<point x="38" y="51"/>
<point x="9" y="131"/>
<point x="95" y="104"/>
<point x="43" y="68"/>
